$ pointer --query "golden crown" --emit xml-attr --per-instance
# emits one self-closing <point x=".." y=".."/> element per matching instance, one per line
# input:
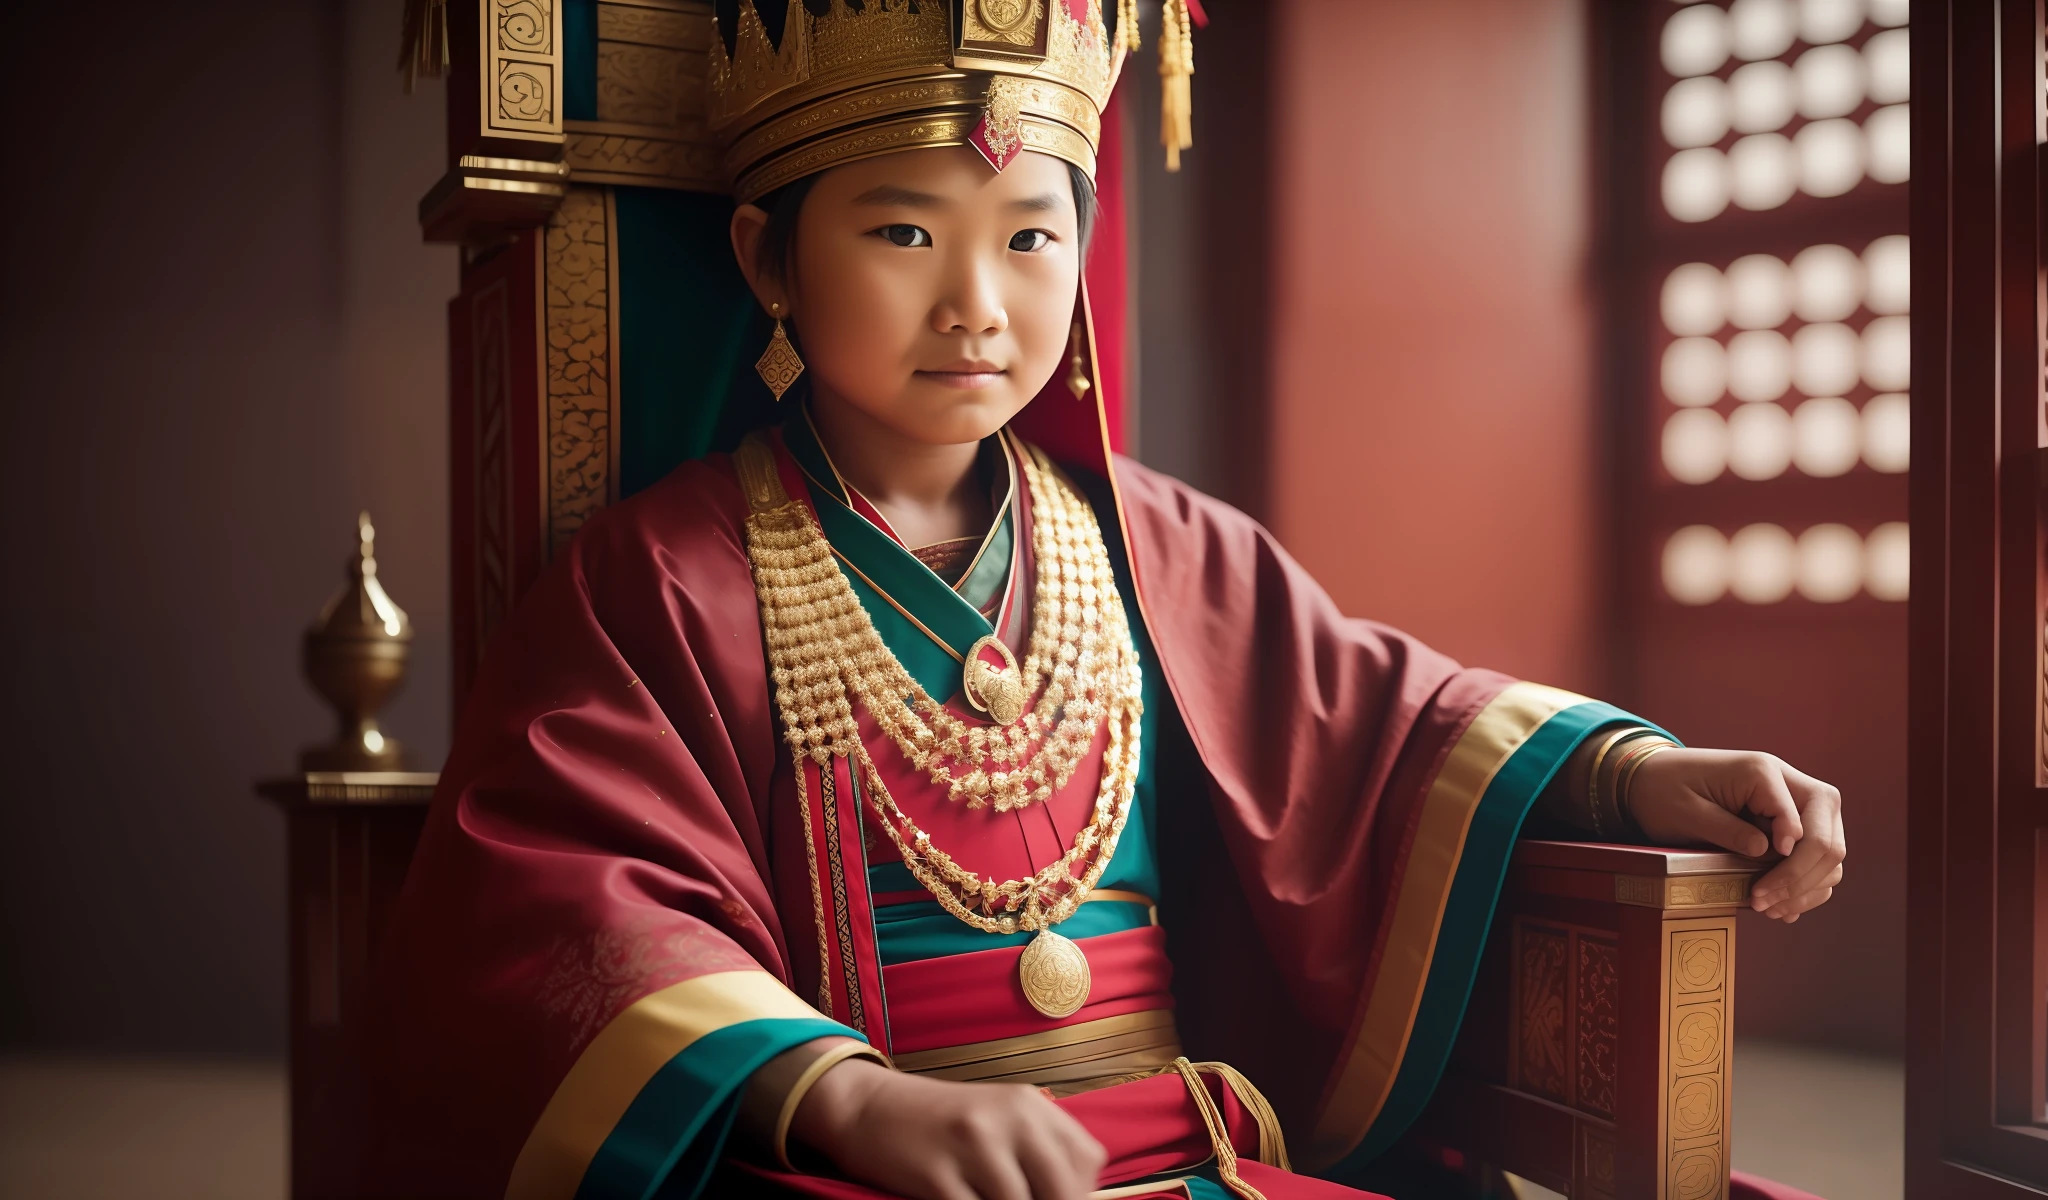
<point x="852" y="83"/>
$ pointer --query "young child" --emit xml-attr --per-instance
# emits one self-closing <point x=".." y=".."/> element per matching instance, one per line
<point x="894" y="808"/>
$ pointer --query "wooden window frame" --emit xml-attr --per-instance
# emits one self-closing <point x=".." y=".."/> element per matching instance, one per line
<point x="1977" y="947"/>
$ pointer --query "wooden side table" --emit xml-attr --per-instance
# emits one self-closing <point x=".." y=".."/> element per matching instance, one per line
<point x="350" y="837"/>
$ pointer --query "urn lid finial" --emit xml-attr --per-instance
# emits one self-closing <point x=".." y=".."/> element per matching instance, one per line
<point x="355" y="656"/>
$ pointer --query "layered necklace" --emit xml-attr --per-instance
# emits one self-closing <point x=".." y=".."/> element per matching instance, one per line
<point x="825" y="656"/>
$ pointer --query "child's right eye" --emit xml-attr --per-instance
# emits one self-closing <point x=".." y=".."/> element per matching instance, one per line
<point x="908" y="236"/>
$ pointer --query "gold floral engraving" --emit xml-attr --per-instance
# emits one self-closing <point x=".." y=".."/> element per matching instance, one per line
<point x="581" y="396"/>
<point x="1054" y="975"/>
<point x="877" y="42"/>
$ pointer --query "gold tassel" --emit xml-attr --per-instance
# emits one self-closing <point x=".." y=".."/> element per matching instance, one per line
<point x="1176" y="75"/>
<point x="1126" y="26"/>
<point x="423" y="46"/>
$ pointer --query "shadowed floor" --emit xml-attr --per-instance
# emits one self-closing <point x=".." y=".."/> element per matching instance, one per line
<point x="1828" y="1122"/>
<point x="82" y="1130"/>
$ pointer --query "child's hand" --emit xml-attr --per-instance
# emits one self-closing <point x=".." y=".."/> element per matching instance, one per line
<point x="934" y="1139"/>
<point x="1729" y="798"/>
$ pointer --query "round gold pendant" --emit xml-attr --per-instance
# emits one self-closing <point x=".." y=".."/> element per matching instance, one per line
<point x="1054" y="975"/>
<point x="997" y="691"/>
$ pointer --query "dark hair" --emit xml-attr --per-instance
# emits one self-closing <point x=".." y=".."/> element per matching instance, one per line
<point x="778" y="237"/>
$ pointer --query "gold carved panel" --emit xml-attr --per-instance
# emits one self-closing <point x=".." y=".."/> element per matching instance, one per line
<point x="522" y="75"/>
<point x="1729" y="890"/>
<point x="653" y="69"/>
<point x="1696" y="1063"/>
<point x="580" y="287"/>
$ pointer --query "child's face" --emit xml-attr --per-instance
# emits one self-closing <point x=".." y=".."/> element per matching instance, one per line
<point x="929" y="292"/>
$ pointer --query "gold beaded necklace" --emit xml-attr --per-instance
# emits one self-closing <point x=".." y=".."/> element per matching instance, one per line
<point x="825" y="655"/>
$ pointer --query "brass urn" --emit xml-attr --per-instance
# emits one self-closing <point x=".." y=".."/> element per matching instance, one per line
<point x="355" y="656"/>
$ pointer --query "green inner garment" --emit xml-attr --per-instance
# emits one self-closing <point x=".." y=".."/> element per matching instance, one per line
<point x="920" y="929"/>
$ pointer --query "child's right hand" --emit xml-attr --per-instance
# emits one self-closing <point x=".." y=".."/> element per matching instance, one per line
<point x="935" y="1139"/>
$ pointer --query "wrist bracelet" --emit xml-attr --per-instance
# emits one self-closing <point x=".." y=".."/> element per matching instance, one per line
<point x="801" y="1088"/>
<point x="1593" y="779"/>
<point x="1625" y="769"/>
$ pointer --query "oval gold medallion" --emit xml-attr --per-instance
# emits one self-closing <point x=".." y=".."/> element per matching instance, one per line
<point x="997" y="691"/>
<point x="1054" y="975"/>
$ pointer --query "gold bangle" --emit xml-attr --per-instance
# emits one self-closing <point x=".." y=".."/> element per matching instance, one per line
<point x="1624" y="782"/>
<point x="1593" y="777"/>
<point x="798" y="1090"/>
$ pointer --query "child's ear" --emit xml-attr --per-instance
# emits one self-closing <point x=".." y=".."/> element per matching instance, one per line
<point x="749" y="226"/>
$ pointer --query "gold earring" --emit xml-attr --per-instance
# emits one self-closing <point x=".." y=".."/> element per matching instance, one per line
<point x="1077" y="366"/>
<point x="780" y="364"/>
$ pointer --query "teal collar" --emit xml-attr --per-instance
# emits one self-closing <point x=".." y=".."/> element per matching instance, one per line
<point x="928" y="625"/>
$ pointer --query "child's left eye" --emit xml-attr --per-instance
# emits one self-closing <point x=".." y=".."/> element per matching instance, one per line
<point x="1030" y="240"/>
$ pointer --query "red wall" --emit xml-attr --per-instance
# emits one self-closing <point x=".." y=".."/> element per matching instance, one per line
<point x="1433" y="399"/>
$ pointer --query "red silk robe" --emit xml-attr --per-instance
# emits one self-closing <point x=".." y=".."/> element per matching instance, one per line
<point x="589" y="960"/>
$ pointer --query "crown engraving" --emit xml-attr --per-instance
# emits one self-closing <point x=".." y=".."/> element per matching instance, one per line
<point x="846" y="80"/>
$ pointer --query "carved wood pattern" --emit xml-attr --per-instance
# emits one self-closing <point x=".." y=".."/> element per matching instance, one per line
<point x="581" y="394"/>
<point x="1596" y="1158"/>
<point x="1598" y="1027"/>
<point x="1698" y="891"/>
<point x="1540" y="983"/>
<point x="490" y="317"/>
<point x="652" y="100"/>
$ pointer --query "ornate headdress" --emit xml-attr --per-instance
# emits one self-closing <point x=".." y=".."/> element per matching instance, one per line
<point x="852" y="79"/>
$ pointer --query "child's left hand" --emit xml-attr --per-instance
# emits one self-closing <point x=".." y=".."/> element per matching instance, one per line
<point x="1730" y="798"/>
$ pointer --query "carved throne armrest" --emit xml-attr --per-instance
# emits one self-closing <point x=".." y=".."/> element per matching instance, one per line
<point x="1594" y="1056"/>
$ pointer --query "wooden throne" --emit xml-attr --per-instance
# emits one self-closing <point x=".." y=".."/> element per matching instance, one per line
<point x="1595" y="1056"/>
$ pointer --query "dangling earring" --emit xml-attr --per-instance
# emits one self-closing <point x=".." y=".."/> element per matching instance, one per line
<point x="1077" y="366"/>
<point x="780" y="364"/>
